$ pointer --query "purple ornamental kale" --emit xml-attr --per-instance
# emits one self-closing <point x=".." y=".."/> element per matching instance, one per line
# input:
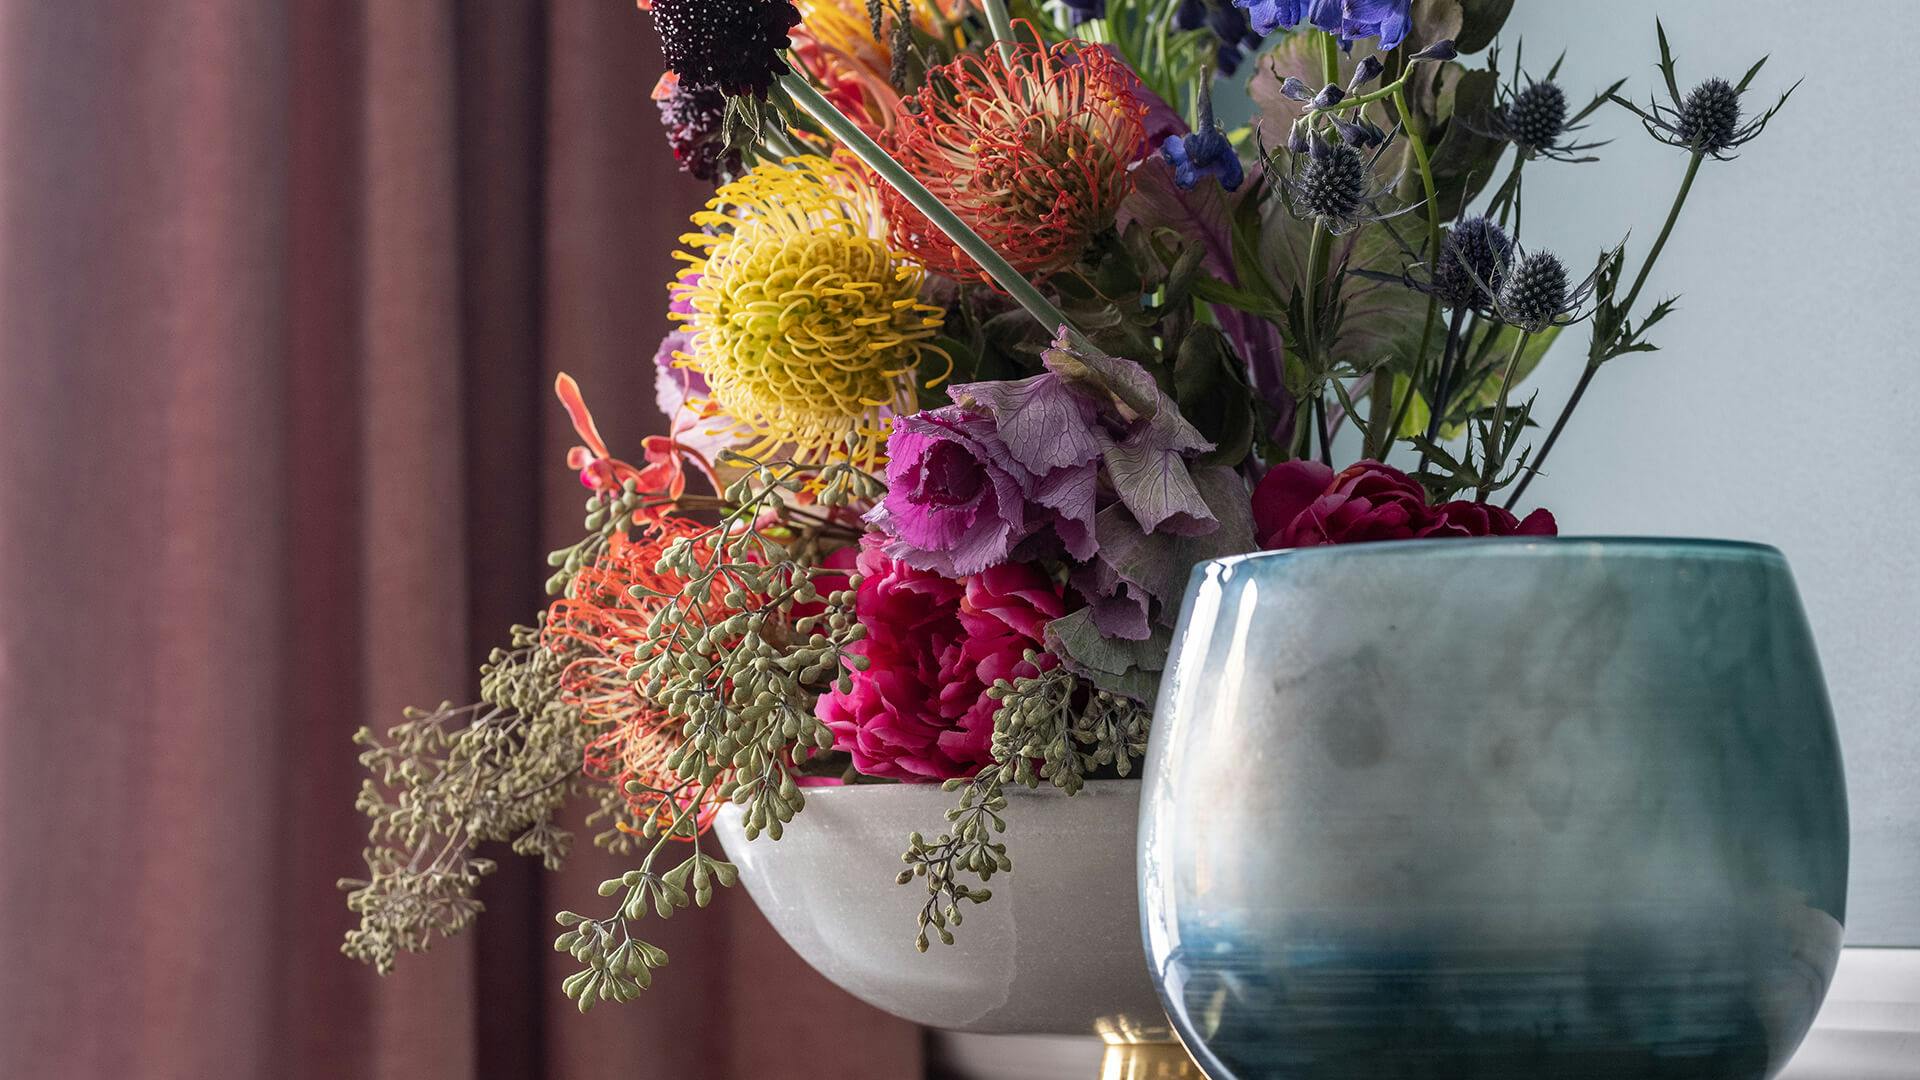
<point x="958" y="501"/>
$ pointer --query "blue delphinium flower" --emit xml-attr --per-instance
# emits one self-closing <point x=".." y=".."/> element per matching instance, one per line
<point x="1270" y="15"/>
<point x="1233" y="37"/>
<point x="1079" y="11"/>
<point x="1203" y="152"/>
<point x="1353" y="20"/>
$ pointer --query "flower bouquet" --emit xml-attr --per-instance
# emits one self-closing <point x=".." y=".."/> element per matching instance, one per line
<point x="993" y="328"/>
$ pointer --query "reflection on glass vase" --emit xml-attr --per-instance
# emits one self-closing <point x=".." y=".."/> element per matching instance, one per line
<point x="1494" y="809"/>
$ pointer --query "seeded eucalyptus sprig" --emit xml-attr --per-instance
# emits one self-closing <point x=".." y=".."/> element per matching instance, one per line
<point x="1053" y="727"/>
<point x="446" y="780"/>
<point x="756" y="629"/>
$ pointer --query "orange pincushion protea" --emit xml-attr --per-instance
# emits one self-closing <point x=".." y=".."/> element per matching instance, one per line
<point x="1030" y="148"/>
<point x="606" y="623"/>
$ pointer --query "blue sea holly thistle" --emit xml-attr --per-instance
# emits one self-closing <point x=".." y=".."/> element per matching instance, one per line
<point x="1534" y="294"/>
<point x="1708" y="119"/>
<point x="1532" y="116"/>
<point x="1473" y="258"/>
<point x="1708" y="123"/>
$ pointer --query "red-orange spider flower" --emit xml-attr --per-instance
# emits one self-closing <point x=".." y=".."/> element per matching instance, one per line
<point x="1030" y="148"/>
<point x="606" y="623"/>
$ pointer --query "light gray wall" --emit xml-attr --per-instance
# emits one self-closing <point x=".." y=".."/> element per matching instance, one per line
<point x="1784" y="403"/>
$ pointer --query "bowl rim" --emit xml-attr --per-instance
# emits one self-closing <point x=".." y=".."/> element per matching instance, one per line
<point x="917" y="789"/>
<point x="1529" y="546"/>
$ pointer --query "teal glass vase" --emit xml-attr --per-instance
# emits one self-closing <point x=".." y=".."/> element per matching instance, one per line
<point x="1492" y="809"/>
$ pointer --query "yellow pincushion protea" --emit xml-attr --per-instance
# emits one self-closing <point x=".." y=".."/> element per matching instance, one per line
<point x="805" y="322"/>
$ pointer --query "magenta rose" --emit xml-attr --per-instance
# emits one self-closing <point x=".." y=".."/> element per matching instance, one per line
<point x="920" y="710"/>
<point x="1305" y="504"/>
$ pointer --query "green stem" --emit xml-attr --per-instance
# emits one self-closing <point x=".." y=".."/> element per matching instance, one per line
<point x="1624" y="310"/>
<point x="963" y="237"/>
<point x="1559" y="425"/>
<point x="1673" y="215"/>
<point x="1000" y="25"/>
<point x="777" y="143"/>
<point x="1417" y="140"/>
<point x="1318" y="257"/>
<point x="1503" y="200"/>
<point x="1319" y="251"/>
<point x="1500" y="417"/>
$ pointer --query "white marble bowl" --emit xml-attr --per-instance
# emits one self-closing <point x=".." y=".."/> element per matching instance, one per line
<point x="1056" y="951"/>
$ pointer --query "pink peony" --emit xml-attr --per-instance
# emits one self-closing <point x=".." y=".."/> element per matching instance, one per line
<point x="920" y="710"/>
<point x="1304" y="504"/>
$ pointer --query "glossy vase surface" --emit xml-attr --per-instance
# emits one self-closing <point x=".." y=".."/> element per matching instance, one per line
<point x="1480" y="810"/>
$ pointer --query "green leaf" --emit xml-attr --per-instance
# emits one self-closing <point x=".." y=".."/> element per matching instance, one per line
<point x="1212" y="394"/>
<point x="1129" y="668"/>
<point x="1481" y="23"/>
<point x="1487" y="392"/>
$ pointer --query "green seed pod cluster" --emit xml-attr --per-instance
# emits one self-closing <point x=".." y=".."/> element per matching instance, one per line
<point x="756" y="630"/>
<point x="1052" y="727"/>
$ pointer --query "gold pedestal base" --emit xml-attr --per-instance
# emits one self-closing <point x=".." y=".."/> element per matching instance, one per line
<point x="1149" y="1061"/>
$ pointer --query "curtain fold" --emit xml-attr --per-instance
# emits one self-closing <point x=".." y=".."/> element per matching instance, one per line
<point x="283" y="288"/>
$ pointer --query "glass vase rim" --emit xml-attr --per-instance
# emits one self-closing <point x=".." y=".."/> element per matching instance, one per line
<point x="1533" y="546"/>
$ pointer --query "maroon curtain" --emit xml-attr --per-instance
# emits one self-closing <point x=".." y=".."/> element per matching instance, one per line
<point x="283" y="287"/>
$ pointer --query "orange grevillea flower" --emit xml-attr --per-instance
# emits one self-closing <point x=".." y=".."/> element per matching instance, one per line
<point x="607" y="624"/>
<point x="1030" y="148"/>
<point x="664" y="476"/>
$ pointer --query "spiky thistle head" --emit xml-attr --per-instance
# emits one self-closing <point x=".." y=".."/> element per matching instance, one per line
<point x="1472" y="256"/>
<point x="804" y="320"/>
<point x="1331" y="182"/>
<point x="1709" y="117"/>
<point x="734" y="45"/>
<point x="1537" y="116"/>
<point x="1535" y="293"/>
<point x="1029" y="145"/>
<point x="1708" y="120"/>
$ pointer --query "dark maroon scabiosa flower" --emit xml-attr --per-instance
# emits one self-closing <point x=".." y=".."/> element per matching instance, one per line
<point x="693" y="116"/>
<point x="732" y="45"/>
<point x="1708" y="120"/>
